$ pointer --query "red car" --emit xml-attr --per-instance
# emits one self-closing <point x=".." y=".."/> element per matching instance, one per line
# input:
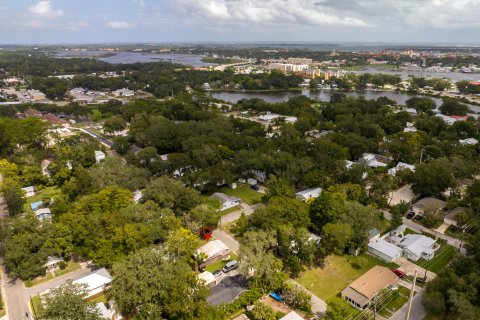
<point x="399" y="273"/>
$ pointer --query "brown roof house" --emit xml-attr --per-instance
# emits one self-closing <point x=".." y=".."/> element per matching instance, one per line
<point x="361" y="291"/>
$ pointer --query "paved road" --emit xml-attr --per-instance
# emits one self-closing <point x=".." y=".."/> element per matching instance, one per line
<point x="17" y="298"/>
<point x="417" y="312"/>
<point x="319" y="306"/>
<point x="32" y="291"/>
<point x="419" y="228"/>
<point x="103" y="140"/>
<point x="3" y="208"/>
<point x="231" y="243"/>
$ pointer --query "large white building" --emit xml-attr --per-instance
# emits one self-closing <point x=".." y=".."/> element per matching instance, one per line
<point x="307" y="194"/>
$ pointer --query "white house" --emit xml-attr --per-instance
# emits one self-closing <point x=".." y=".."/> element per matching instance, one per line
<point x="99" y="156"/>
<point x="401" y="166"/>
<point x="469" y="141"/>
<point x="43" y="213"/>
<point x="269" y="117"/>
<point x="373" y="160"/>
<point x="416" y="246"/>
<point x="124" y="93"/>
<point x="252" y="181"/>
<point x="292" y="315"/>
<point x="310" y="193"/>
<point x="291" y="119"/>
<point x="226" y="202"/>
<point x="96" y="282"/>
<point x="384" y="250"/>
<point x="212" y="251"/>
<point x="29" y="191"/>
<point x="410" y="127"/>
<point x="53" y="263"/>
<point x="411" y="111"/>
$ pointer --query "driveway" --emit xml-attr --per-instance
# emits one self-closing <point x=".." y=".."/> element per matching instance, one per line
<point x="227" y="290"/>
<point x="231" y="243"/>
<point x="409" y="268"/>
<point x="405" y="194"/>
<point x="233" y="216"/>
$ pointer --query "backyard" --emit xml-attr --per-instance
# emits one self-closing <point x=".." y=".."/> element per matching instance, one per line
<point x="394" y="302"/>
<point x="442" y="257"/>
<point x="243" y="192"/>
<point x="49" y="192"/>
<point x="339" y="271"/>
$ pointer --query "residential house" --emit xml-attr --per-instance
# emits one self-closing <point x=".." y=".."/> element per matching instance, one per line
<point x="53" y="263"/>
<point x="451" y="217"/>
<point x="269" y="117"/>
<point x="252" y="181"/>
<point x="317" y="133"/>
<point x="99" y="156"/>
<point x="96" y="282"/>
<point x="206" y="86"/>
<point x="361" y="292"/>
<point x="384" y="250"/>
<point x="226" y="202"/>
<point x="410" y="127"/>
<point x="416" y="246"/>
<point x="401" y="166"/>
<point x="374" y="160"/>
<point x="411" y="111"/>
<point x="291" y="119"/>
<point x="43" y="214"/>
<point x="36" y="95"/>
<point x="307" y="194"/>
<point x="124" y="93"/>
<point x="29" y="191"/>
<point x="469" y="141"/>
<point x="427" y="205"/>
<point x="212" y="251"/>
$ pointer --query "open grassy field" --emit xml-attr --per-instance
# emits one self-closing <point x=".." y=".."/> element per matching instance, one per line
<point x="243" y="192"/>
<point x="339" y="271"/>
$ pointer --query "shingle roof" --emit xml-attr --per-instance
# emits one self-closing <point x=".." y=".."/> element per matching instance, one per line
<point x="374" y="280"/>
<point x="223" y="197"/>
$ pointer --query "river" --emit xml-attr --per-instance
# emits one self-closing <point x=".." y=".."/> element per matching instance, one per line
<point x="125" y="57"/>
<point x="319" y="95"/>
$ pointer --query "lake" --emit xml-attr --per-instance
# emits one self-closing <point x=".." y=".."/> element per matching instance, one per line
<point x="319" y="95"/>
<point x="126" y="57"/>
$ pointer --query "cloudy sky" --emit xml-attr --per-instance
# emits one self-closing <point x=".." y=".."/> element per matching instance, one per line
<point x="88" y="21"/>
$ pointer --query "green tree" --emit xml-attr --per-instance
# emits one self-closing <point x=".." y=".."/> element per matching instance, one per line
<point x="67" y="303"/>
<point x="398" y="211"/>
<point x="337" y="310"/>
<point x="114" y="124"/>
<point x="452" y="107"/>
<point x="13" y="195"/>
<point x="336" y="237"/>
<point x="261" y="311"/>
<point x="150" y="285"/>
<point x="433" y="177"/>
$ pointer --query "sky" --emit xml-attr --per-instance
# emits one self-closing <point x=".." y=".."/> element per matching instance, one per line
<point x="139" y="21"/>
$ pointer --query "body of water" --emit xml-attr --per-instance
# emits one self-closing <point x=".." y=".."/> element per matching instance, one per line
<point x="319" y="95"/>
<point x="125" y="57"/>
<point x="454" y="76"/>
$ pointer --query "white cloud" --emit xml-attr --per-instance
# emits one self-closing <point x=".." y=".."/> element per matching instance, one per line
<point x="120" y="25"/>
<point x="300" y="12"/>
<point x="44" y="9"/>
<point x="139" y="2"/>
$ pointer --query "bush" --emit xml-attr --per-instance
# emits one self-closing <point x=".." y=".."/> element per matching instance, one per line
<point x="297" y="298"/>
<point x="63" y="265"/>
<point x="262" y="312"/>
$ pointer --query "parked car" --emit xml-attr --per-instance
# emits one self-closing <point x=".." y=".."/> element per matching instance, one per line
<point x="410" y="215"/>
<point x="255" y="187"/>
<point x="217" y="273"/>
<point x="230" y="266"/>
<point x="399" y="273"/>
<point x="275" y="296"/>
<point x="418" y="217"/>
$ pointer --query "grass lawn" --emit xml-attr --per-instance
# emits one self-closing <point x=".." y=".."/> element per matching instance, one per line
<point x="439" y="261"/>
<point x="338" y="272"/>
<point x="50" y="192"/>
<point x="35" y="304"/>
<point x="221" y="263"/>
<point x="227" y="211"/>
<point x="383" y="225"/>
<point x="243" y="192"/>
<point x="100" y="298"/>
<point x="410" y="231"/>
<point x="395" y="302"/>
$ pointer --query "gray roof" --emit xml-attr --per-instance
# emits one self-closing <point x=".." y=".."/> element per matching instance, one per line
<point x="429" y="203"/>
<point x="223" y="197"/>
<point x="418" y="244"/>
<point x="385" y="247"/>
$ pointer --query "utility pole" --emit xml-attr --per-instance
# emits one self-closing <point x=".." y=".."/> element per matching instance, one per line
<point x="421" y="155"/>
<point x="410" y="300"/>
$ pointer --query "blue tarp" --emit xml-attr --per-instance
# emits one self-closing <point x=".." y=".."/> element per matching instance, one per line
<point x="275" y="296"/>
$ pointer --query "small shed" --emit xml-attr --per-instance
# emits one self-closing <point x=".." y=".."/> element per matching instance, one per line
<point x="29" y="191"/>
